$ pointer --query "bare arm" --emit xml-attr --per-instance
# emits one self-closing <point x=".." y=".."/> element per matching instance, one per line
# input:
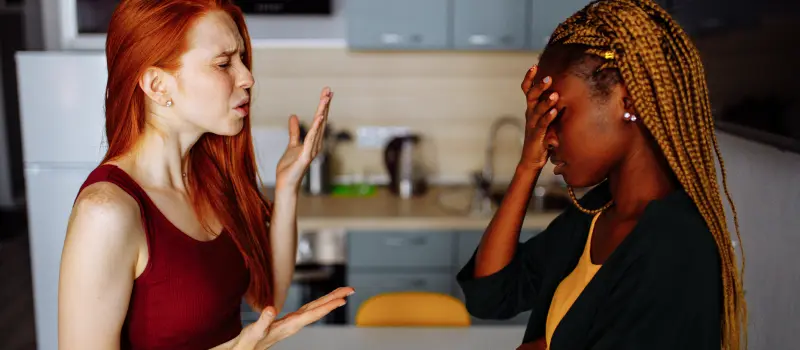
<point x="499" y="242"/>
<point x="98" y="266"/>
<point x="283" y="235"/>
<point x="289" y="174"/>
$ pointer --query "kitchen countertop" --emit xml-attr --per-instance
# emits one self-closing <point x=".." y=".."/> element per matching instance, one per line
<point x="441" y="208"/>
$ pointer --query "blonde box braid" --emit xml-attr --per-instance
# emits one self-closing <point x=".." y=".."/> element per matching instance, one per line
<point x="662" y="70"/>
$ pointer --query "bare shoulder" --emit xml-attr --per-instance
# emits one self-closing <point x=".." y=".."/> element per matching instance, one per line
<point x="99" y="263"/>
<point x="104" y="202"/>
<point x="103" y="212"/>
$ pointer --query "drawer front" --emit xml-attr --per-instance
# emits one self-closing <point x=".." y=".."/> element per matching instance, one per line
<point x="400" y="249"/>
<point x="368" y="285"/>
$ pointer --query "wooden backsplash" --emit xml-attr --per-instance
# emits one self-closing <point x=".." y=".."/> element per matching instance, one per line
<point x="451" y="99"/>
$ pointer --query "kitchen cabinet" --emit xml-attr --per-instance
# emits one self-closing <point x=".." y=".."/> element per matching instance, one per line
<point x="393" y="25"/>
<point x="400" y="249"/>
<point x="490" y="25"/>
<point x="545" y="17"/>
<point x="393" y="261"/>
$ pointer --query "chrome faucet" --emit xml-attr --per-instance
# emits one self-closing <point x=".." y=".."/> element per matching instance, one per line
<point x="488" y="166"/>
<point x="482" y="202"/>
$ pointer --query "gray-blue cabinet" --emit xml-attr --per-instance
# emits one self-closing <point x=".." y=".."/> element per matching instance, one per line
<point x="398" y="25"/>
<point x="408" y="260"/>
<point x="490" y="25"/>
<point x="545" y="17"/>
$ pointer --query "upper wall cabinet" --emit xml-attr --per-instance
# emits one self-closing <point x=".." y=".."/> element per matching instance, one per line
<point x="402" y="25"/>
<point x="546" y="15"/>
<point x="490" y="25"/>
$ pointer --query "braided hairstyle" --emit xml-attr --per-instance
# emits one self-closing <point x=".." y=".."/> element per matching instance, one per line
<point x="638" y="44"/>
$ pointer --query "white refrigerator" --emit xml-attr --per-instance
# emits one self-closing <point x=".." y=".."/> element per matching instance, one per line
<point x="63" y="136"/>
<point x="62" y="121"/>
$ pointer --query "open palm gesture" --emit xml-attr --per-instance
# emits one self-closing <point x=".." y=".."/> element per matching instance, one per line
<point x="267" y="331"/>
<point x="298" y="156"/>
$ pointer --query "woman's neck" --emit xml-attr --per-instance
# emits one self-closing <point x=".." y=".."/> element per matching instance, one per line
<point x="159" y="158"/>
<point x="639" y="179"/>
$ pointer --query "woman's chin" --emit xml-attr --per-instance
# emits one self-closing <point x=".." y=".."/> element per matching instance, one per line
<point x="576" y="181"/>
<point x="232" y="129"/>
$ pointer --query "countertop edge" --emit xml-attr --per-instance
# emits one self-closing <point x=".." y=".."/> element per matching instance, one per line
<point x="455" y="223"/>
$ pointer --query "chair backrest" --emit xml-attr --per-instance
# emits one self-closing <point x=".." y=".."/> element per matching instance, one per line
<point x="412" y="309"/>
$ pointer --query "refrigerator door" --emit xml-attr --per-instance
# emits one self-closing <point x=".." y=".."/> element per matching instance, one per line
<point x="50" y="194"/>
<point x="61" y="98"/>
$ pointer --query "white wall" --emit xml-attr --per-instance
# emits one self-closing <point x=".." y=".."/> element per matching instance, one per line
<point x="765" y="185"/>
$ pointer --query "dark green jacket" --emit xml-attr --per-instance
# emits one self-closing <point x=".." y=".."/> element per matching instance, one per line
<point x="660" y="289"/>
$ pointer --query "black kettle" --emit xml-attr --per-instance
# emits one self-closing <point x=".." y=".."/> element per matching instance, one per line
<point x="406" y="177"/>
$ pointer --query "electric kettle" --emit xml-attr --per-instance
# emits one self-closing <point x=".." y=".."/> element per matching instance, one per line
<point x="406" y="175"/>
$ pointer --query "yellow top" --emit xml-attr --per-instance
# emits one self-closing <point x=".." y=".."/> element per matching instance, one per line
<point x="571" y="287"/>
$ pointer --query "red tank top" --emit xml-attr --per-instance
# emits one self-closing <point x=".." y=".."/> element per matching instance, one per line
<point x="190" y="292"/>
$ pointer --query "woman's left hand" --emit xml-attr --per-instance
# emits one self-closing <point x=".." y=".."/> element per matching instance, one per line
<point x="298" y="156"/>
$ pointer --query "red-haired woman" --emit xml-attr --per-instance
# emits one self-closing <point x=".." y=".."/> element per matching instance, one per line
<point x="170" y="232"/>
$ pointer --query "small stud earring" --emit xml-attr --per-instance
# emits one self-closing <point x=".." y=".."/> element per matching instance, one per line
<point x="629" y="117"/>
<point x="169" y="103"/>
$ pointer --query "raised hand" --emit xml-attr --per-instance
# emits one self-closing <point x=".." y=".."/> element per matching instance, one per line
<point x="298" y="155"/>
<point x="539" y="113"/>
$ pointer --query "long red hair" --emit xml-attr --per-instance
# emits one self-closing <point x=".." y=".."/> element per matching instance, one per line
<point x="222" y="176"/>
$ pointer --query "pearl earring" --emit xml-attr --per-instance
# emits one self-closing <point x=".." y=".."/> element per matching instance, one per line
<point x="169" y="103"/>
<point x="629" y="117"/>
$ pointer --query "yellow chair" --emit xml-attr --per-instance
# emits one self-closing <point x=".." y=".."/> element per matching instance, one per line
<point x="412" y="309"/>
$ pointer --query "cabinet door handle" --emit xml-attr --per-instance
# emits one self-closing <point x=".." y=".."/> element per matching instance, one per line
<point x="480" y="39"/>
<point x="405" y="241"/>
<point x="391" y="38"/>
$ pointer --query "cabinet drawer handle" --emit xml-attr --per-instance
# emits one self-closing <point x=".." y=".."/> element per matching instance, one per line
<point x="480" y="39"/>
<point x="404" y="241"/>
<point x="391" y="38"/>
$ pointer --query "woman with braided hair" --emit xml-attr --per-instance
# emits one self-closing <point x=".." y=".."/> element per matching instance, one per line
<point x="644" y="260"/>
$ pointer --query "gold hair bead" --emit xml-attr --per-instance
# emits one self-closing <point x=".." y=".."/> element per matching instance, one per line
<point x="609" y="55"/>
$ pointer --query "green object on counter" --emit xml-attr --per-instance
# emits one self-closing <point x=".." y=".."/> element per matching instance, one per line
<point x="357" y="190"/>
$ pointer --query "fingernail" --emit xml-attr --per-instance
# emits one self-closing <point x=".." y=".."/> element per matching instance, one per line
<point x="553" y="96"/>
<point x="533" y="68"/>
<point x="546" y="80"/>
<point x="351" y="293"/>
<point x="553" y="111"/>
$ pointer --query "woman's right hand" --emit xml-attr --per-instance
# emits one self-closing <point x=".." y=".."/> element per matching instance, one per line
<point x="266" y="331"/>
<point x="538" y="116"/>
